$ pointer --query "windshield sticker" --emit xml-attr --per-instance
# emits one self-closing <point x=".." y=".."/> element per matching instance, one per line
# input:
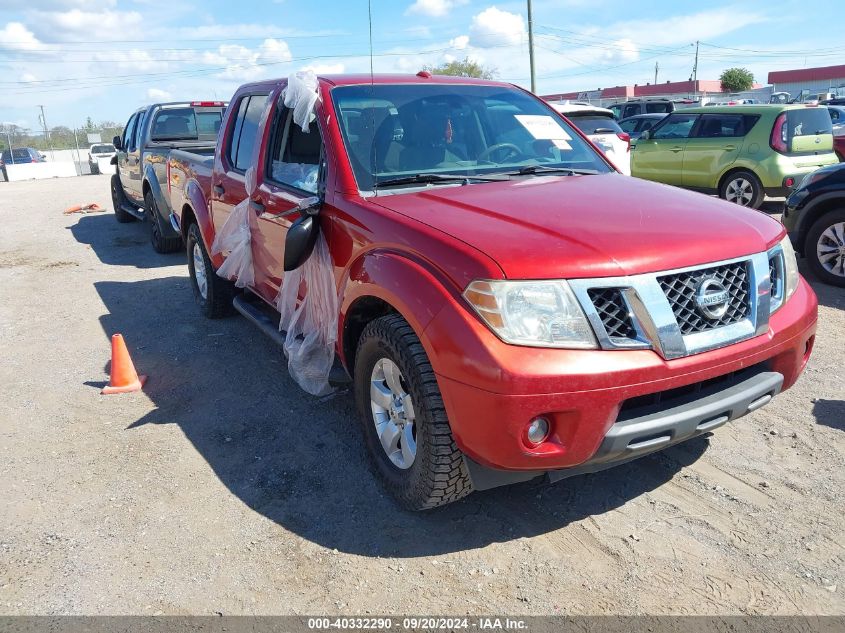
<point x="561" y="144"/>
<point x="542" y="127"/>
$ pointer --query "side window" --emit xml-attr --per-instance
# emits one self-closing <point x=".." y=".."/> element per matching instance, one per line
<point x="631" y="110"/>
<point x="129" y="130"/>
<point x="629" y="125"/>
<point x="249" y="131"/>
<point x="675" y="126"/>
<point x="657" y="108"/>
<point x="834" y="115"/>
<point x="647" y="125"/>
<point x="296" y="154"/>
<point x="232" y="145"/>
<point x="617" y="111"/>
<point x="139" y="130"/>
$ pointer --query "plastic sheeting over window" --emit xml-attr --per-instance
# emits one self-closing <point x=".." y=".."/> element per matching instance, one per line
<point x="301" y="96"/>
<point x="234" y="240"/>
<point x="310" y="323"/>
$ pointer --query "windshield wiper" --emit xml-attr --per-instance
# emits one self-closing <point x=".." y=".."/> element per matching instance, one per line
<point x="530" y="170"/>
<point x="432" y="178"/>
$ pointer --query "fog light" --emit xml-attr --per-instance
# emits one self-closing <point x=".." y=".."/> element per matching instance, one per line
<point x="537" y="431"/>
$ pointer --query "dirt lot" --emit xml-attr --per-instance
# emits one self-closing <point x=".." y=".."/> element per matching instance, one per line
<point x="223" y="488"/>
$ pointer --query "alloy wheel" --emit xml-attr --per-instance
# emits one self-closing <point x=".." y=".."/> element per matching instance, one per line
<point x="393" y="413"/>
<point x="739" y="191"/>
<point x="830" y="249"/>
<point x="200" y="274"/>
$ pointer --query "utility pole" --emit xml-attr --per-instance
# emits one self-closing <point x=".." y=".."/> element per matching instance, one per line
<point x="531" y="48"/>
<point x="43" y="120"/>
<point x="656" y="66"/>
<point x="695" y="70"/>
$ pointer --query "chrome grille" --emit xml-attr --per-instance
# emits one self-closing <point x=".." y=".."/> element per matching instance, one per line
<point x="680" y="289"/>
<point x="613" y="312"/>
<point x="774" y="277"/>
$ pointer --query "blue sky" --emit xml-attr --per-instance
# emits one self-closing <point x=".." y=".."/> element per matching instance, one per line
<point x="104" y="58"/>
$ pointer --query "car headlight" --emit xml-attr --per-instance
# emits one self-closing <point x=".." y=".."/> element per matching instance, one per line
<point x="533" y="313"/>
<point x="785" y="286"/>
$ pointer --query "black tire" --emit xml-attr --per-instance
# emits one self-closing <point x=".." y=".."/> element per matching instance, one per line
<point x="437" y="475"/>
<point x="161" y="244"/>
<point x="118" y="199"/>
<point x="815" y="234"/>
<point x="743" y="188"/>
<point x="217" y="301"/>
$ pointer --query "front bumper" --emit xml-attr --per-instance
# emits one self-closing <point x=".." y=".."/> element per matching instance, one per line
<point x="491" y="390"/>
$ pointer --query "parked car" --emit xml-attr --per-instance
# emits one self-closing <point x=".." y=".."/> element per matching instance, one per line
<point x="837" y="115"/>
<point x="638" y="124"/>
<point x="509" y="306"/>
<point x="815" y="218"/>
<point x="780" y="98"/>
<point x="599" y="125"/>
<point x="740" y="153"/>
<point x="19" y="155"/>
<point x="627" y="109"/>
<point x="99" y="151"/>
<point x="837" y="101"/>
<point x="142" y="151"/>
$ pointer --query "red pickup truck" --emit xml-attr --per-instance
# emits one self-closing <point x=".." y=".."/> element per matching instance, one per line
<point x="510" y="306"/>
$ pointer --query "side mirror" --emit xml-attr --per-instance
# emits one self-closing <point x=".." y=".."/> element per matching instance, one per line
<point x="116" y="142"/>
<point x="302" y="234"/>
<point x="645" y="135"/>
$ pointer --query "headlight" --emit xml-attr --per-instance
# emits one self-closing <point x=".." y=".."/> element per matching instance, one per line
<point x="788" y="283"/>
<point x="534" y="313"/>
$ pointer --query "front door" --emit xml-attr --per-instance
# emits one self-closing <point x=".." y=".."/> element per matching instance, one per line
<point x="292" y="176"/>
<point x="660" y="157"/>
<point x="123" y="167"/>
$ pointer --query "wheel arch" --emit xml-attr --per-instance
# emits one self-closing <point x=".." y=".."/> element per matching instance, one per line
<point x="821" y="205"/>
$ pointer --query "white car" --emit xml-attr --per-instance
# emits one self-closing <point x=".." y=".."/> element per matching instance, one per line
<point x="600" y="126"/>
<point x="99" y="151"/>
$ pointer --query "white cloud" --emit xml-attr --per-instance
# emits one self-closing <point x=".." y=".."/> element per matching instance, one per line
<point x="687" y="28"/>
<point x="245" y="64"/>
<point x="16" y="37"/>
<point x="434" y="8"/>
<point x="78" y="25"/>
<point x="460" y="42"/>
<point x="158" y="95"/>
<point x="27" y="77"/>
<point x="494" y="27"/>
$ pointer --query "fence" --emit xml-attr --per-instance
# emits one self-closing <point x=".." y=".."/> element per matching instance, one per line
<point x="58" y="145"/>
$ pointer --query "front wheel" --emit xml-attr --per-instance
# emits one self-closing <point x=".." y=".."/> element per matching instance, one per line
<point x="825" y="248"/>
<point x="213" y="294"/>
<point x="118" y="199"/>
<point x="404" y="422"/>
<point x="742" y="188"/>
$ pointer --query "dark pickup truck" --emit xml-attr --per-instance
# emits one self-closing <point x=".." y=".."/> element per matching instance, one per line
<point x="151" y="133"/>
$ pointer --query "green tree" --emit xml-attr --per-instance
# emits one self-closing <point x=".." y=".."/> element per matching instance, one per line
<point x="462" y="68"/>
<point x="736" y="80"/>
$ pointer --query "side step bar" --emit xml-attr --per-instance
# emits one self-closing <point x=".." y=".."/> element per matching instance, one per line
<point x="270" y="327"/>
<point x="138" y="212"/>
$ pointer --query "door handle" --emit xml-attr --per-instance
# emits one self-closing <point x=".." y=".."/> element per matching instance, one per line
<point x="256" y="206"/>
<point x="219" y="189"/>
<point x="729" y="148"/>
<point x="677" y="149"/>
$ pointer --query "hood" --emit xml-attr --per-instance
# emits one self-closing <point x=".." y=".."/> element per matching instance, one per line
<point x="588" y="226"/>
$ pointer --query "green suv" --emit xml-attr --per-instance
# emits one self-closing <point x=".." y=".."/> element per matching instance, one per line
<point x="741" y="152"/>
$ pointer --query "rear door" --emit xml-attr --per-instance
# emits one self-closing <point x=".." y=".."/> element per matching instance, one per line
<point x="713" y="146"/>
<point x="292" y="172"/>
<point x="238" y="151"/>
<point x="660" y="157"/>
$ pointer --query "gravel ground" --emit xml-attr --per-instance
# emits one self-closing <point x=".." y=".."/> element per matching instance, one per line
<point x="223" y="488"/>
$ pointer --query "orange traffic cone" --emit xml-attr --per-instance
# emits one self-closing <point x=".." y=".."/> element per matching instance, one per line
<point x="124" y="378"/>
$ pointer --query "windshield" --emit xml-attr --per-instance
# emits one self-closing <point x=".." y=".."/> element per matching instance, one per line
<point x="594" y="123"/>
<point x="102" y="149"/>
<point x="397" y="130"/>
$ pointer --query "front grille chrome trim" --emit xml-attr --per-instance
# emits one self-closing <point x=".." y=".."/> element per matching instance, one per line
<point x="655" y="323"/>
